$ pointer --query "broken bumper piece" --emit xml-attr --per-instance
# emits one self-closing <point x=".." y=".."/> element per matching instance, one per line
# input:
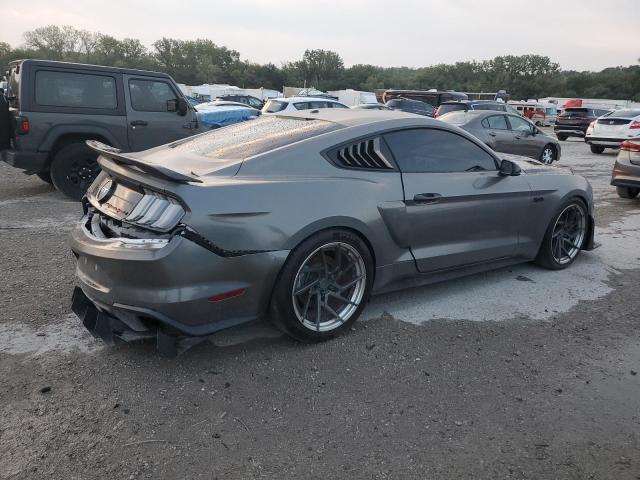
<point x="114" y="331"/>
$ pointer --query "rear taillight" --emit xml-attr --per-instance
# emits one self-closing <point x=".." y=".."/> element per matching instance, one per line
<point x="22" y="125"/>
<point x="630" y="146"/>
<point x="634" y="125"/>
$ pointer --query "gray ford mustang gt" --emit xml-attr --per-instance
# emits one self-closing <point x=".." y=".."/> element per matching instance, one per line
<point x="302" y="217"/>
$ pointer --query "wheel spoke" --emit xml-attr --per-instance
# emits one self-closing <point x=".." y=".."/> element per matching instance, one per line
<point x="319" y="310"/>
<point x="328" y="308"/>
<point x="342" y="288"/>
<point x="306" y="287"/>
<point x="307" y="304"/>
<point x="324" y="262"/>
<point x="342" y="299"/>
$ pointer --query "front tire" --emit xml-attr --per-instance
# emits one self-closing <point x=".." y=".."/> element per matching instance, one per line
<point x="562" y="138"/>
<point x="627" y="192"/>
<point x="565" y="235"/>
<point x="323" y="287"/>
<point x="598" y="149"/>
<point x="73" y="169"/>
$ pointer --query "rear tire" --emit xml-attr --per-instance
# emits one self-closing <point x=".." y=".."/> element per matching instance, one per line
<point x="73" y="169"/>
<point x="565" y="235"/>
<point x="598" y="149"/>
<point x="45" y="177"/>
<point x="548" y="155"/>
<point x="560" y="137"/>
<point x="310" y="302"/>
<point x="627" y="192"/>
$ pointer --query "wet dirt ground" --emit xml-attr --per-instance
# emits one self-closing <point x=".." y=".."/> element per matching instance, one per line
<point x="520" y="373"/>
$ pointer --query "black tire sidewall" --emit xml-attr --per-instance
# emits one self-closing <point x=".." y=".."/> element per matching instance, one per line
<point x="597" y="149"/>
<point x="282" y="313"/>
<point x="62" y="162"/>
<point x="545" y="255"/>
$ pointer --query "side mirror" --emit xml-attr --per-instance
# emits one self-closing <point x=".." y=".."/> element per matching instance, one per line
<point x="509" y="169"/>
<point x="178" y="105"/>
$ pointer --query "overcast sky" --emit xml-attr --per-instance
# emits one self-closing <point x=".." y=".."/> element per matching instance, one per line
<point x="578" y="34"/>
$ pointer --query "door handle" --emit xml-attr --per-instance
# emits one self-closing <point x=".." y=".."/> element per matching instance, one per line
<point x="425" y="198"/>
<point x="517" y="137"/>
<point x="138" y="123"/>
<point x="492" y="134"/>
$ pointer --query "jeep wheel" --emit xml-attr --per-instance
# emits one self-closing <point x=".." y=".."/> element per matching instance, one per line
<point x="73" y="169"/>
<point x="45" y="177"/>
<point x="597" y="149"/>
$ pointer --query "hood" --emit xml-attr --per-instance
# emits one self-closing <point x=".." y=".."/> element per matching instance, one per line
<point x="531" y="166"/>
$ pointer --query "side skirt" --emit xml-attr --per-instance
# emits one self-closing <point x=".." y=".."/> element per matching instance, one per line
<point x="403" y="275"/>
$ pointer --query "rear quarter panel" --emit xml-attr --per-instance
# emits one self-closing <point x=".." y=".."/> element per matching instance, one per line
<point x="278" y="200"/>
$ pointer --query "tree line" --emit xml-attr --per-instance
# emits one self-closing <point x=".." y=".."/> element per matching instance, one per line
<point x="195" y="62"/>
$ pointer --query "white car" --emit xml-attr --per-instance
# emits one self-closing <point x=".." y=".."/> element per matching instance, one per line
<point x="611" y="130"/>
<point x="293" y="104"/>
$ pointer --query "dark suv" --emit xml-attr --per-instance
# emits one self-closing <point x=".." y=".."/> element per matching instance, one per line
<point x="246" y="99"/>
<point x="411" y="106"/>
<point x="466" y="105"/>
<point x="432" y="97"/>
<point x="574" y="121"/>
<point x="58" y="106"/>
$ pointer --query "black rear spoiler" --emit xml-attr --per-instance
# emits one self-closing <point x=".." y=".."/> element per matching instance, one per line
<point x="116" y="155"/>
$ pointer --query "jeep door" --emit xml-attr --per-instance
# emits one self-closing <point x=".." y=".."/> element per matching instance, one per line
<point x="151" y="113"/>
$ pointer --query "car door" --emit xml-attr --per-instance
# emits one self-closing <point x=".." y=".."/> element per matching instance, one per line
<point x="498" y="132"/>
<point x="524" y="139"/>
<point x="150" y="123"/>
<point x="459" y="209"/>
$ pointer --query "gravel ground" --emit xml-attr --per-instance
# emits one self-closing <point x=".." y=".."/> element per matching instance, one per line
<point x="519" y="373"/>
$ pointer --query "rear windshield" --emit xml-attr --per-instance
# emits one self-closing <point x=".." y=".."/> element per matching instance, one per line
<point x="626" y="113"/>
<point x="246" y="139"/>
<point x="274" y="106"/>
<point x="452" y="107"/>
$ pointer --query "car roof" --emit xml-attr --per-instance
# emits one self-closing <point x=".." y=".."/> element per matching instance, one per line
<point x="89" y="67"/>
<point x="350" y="117"/>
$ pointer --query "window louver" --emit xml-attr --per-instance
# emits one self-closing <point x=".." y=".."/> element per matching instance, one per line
<point x="364" y="154"/>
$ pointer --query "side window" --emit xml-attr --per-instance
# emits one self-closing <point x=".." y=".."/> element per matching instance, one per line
<point x="302" y="105"/>
<point x="518" y="124"/>
<point x="497" y="122"/>
<point x="437" y="151"/>
<point x="150" y="95"/>
<point x="254" y="103"/>
<point x="80" y="90"/>
<point x="338" y="105"/>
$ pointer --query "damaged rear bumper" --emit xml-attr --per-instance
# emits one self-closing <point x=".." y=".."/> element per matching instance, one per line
<point x="170" y="290"/>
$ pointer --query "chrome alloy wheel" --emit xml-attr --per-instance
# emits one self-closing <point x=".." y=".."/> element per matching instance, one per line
<point x="329" y="286"/>
<point x="547" y="156"/>
<point x="568" y="234"/>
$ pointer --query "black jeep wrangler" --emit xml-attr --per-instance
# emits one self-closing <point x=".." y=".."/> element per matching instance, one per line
<point x="57" y="106"/>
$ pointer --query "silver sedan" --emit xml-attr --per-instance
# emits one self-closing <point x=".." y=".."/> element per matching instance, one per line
<point x="507" y="133"/>
<point x="301" y="217"/>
